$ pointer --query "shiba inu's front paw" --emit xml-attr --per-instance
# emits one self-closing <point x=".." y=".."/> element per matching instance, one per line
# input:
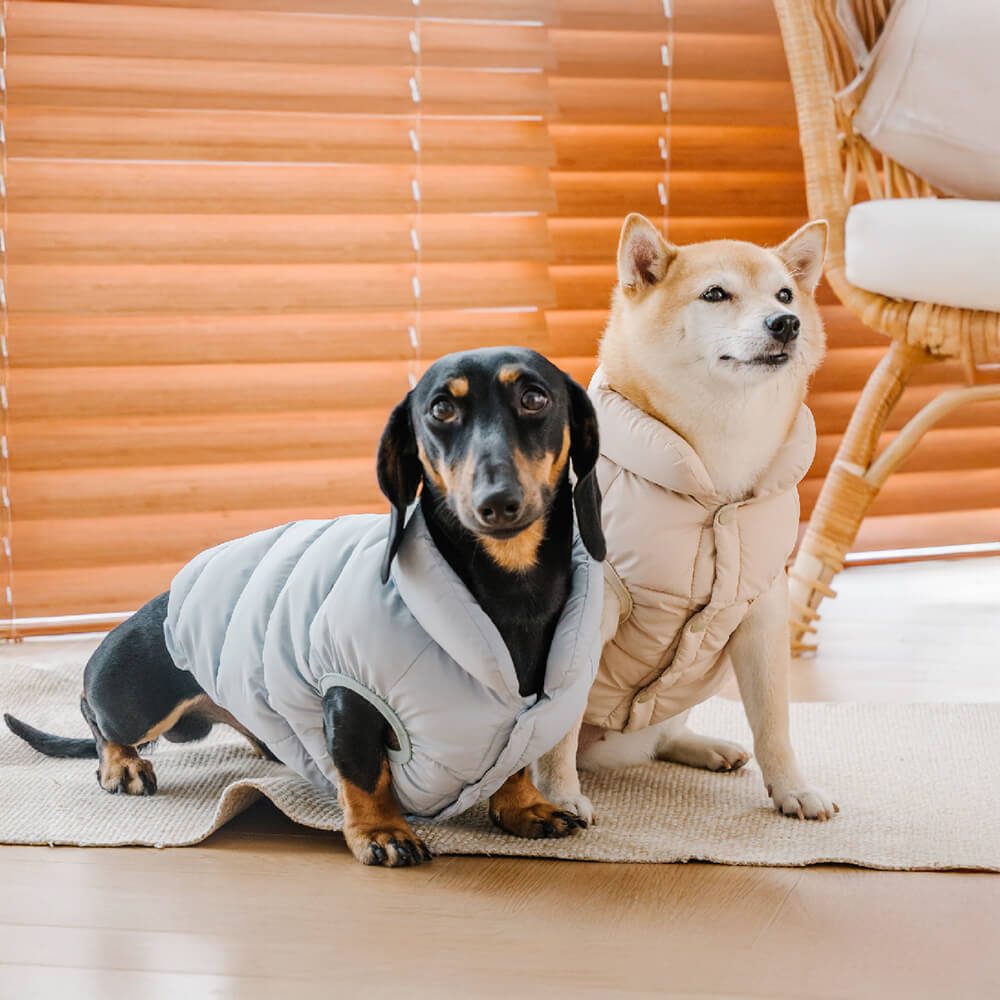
<point x="578" y="805"/>
<point x="809" y="803"/>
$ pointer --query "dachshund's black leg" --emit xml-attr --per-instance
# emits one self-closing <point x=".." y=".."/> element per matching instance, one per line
<point x="121" y="769"/>
<point x="374" y="826"/>
<point x="133" y="693"/>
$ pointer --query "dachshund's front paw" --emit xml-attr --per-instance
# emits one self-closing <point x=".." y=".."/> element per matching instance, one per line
<point x="388" y="846"/>
<point x="123" y="771"/>
<point x="519" y="808"/>
<point x="537" y="819"/>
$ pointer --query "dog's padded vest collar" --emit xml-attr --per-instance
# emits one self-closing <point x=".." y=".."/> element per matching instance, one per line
<point x="466" y="633"/>
<point x="644" y="445"/>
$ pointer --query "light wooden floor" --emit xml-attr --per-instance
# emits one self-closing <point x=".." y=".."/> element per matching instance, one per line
<point x="265" y="909"/>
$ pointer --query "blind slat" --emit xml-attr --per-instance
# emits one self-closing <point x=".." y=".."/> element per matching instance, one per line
<point x="70" y="186"/>
<point x="239" y="288"/>
<point x="506" y="10"/>
<point x="712" y="147"/>
<point x="706" y="16"/>
<point x="99" y="542"/>
<point x="137" y="31"/>
<point x="94" y="81"/>
<point x="66" y="591"/>
<point x="637" y="55"/>
<point x="83" y="238"/>
<point x="47" y="341"/>
<point x="610" y="193"/>
<point x="946" y="527"/>
<point x="693" y="102"/>
<point x="320" y="484"/>
<point x="165" y="134"/>
<point x="202" y="439"/>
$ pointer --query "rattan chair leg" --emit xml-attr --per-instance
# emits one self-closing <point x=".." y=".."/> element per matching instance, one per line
<point x="846" y="494"/>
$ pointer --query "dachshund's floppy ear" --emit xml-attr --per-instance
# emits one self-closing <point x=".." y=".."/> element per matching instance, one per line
<point x="584" y="449"/>
<point x="399" y="474"/>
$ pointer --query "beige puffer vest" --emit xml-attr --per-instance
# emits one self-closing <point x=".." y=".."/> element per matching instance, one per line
<point x="685" y="564"/>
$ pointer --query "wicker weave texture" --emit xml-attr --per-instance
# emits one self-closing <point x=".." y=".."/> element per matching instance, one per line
<point x="842" y="168"/>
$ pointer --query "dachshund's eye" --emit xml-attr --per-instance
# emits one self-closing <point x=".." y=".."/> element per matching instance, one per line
<point x="716" y="293"/>
<point x="443" y="410"/>
<point x="785" y="295"/>
<point x="534" y="400"/>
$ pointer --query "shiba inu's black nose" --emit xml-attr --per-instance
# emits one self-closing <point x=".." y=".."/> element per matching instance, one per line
<point x="783" y="326"/>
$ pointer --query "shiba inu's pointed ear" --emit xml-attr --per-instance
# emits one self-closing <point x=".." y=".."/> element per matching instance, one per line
<point x="399" y="474"/>
<point x="803" y="253"/>
<point x="643" y="255"/>
<point x="584" y="450"/>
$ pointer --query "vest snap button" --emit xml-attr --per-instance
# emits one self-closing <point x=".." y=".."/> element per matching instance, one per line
<point x="725" y="516"/>
<point x="697" y="626"/>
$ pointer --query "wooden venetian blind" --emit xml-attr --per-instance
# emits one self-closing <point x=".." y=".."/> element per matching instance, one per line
<point x="226" y="216"/>
<point x="237" y="228"/>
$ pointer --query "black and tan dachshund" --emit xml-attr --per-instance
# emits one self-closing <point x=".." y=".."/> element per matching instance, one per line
<point x="486" y="438"/>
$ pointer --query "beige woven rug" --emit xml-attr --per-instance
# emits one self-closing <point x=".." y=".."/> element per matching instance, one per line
<point x="917" y="786"/>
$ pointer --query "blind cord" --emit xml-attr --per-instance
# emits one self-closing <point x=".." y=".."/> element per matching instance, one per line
<point x="6" y="520"/>
<point x="667" y="58"/>
<point x="416" y="225"/>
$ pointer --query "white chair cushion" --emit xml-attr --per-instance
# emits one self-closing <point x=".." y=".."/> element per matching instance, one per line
<point x="933" y="93"/>
<point x="941" y="250"/>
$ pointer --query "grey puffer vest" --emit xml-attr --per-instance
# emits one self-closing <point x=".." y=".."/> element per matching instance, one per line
<point x="268" y="623"/>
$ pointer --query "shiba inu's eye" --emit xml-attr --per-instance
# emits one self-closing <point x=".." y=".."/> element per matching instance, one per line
<point x="715" y="294"/>
<point x="443" y="410"/>
<point x="534" y="400"/>
<point x="785" y="295"/>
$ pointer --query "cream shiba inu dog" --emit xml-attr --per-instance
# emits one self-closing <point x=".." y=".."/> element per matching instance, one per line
<point x="704" y="366"/>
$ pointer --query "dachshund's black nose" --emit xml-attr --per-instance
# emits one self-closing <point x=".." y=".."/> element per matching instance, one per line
<point x="502" y="507"/>
<point x="783" y="326"/>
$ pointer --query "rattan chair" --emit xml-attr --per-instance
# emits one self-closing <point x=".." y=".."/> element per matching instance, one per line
<point x="840" y="165"/>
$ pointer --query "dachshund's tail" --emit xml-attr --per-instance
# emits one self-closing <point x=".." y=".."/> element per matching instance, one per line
<point x="49" y="744"/>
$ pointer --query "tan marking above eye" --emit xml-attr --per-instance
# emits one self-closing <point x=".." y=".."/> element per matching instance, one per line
<point x="509" y="374"/>
<point x="459" y="387"/>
